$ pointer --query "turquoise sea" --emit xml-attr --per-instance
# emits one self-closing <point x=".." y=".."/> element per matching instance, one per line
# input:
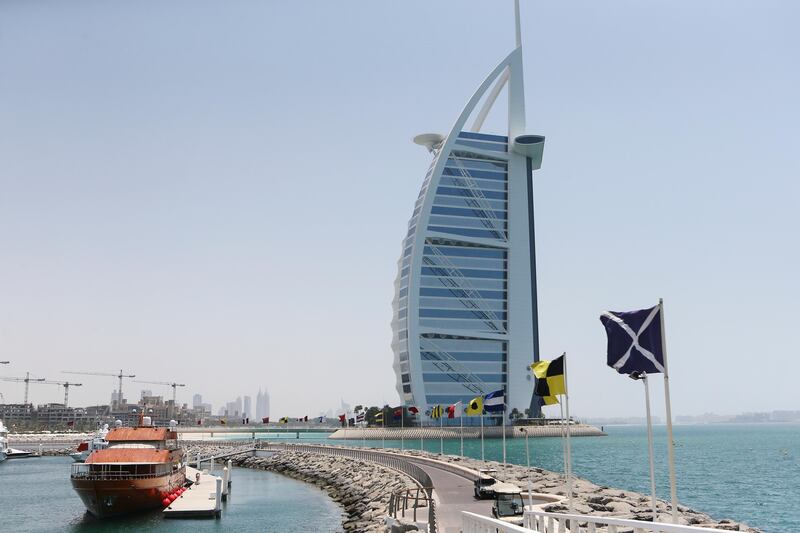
<point x="748" y="473"/>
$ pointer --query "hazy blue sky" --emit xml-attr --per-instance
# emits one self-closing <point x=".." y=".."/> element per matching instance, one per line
<point x="215" y="192"/>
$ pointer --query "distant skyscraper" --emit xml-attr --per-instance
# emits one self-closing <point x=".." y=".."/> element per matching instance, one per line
<point x="238" y="406"/>
<point x="246" y="408"/>
<point x="197" y="401"/>
<point x="465" y="316"/>
<point x="262" y="405"/>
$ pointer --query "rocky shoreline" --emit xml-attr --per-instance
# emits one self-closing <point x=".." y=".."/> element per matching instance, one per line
<point x="590" y="498"/>
<point x="361" y="488"/>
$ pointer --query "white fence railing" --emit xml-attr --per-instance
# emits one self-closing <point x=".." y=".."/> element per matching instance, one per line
<point x="543" y="522"/>
<point x="475" y="523"/>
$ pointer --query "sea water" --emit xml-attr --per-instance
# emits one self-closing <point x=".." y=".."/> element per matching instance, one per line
<point x="36" y="496"/>
<point x="744" y="472"/>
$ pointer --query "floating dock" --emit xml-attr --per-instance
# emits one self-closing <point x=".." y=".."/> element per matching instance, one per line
<point x="203" y="499"/>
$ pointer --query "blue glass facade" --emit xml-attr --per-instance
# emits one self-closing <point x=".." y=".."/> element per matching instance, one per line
<point x="462" y="282"/>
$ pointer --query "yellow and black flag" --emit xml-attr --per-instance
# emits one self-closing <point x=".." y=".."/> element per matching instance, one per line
<point x="437" y="411"/>
<point x="474" y="407"/>
<point x="550" y="378"/>
<point x="549" y="400"/>
<point x="378" y="418"/>
<point x="283" y="420"/>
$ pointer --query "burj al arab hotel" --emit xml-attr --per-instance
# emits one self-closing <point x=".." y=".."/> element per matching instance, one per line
<point x="465" y="312"/>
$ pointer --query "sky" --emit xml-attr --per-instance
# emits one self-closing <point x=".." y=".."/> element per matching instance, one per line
<point x="215" y="192"/>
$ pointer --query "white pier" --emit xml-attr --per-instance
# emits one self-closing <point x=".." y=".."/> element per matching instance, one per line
<point x="203" y="499"/>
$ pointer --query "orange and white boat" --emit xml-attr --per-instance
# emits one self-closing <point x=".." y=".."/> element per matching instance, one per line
<point x="140" y="468"/>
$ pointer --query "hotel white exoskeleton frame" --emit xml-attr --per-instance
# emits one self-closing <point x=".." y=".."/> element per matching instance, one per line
<point x="465" y="316"/>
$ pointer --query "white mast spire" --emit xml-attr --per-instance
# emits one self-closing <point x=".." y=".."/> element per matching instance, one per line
<point x="516" y="108"/>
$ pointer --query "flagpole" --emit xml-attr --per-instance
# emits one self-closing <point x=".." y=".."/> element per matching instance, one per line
<point x="650" y="445"/>
<point x="503" y="427"/>
<point x="441" y="434"/>
<point x="569" y="448"/>
<point x="402" y="426"/>
<point x="563" y="434"/>
<point x="670" y="446"/>
<point x="383" y="431"/>
<point x="528" y="462"/>
<point x="421" y="433"/>
<point x="461" y="420"/>
<point x="483" y="456"/>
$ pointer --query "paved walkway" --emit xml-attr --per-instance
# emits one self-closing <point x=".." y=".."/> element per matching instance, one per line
<point x="455" y="494"/>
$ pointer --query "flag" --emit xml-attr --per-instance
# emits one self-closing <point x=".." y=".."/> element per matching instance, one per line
<point x="413" y="410"/>
<point x="199" y="422"/>
<point x="550" y="400"/>
<point x="378" y="418"/>
<point x="351" y="421"/>
<point x="360" y="416"/>
<point x="398" y="413"/>
<point x="70" y="423"/>
<point x="343" y="419"/>
<point x="635" y="340"/>
<point x="305" y="418"/>
<point x="454" y="411"/>
<point x="495" y="402"/>
<point x="437" y="411"/>
<point x="475" y="407"/>
<point x="321" y="419"/>
<point x="549" y="377"/>
<point x="284" y="420"/>
<point x="222" y="422"/>
<point x="265" y="420"/>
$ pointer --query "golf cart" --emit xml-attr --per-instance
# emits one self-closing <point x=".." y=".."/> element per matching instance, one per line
<point x="508" y="504"/>
<point x="485" y="483"/>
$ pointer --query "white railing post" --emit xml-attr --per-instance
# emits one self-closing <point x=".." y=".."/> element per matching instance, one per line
<point x="218" y="495"/>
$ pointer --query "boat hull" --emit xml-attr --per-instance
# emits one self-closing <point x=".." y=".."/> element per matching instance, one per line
<point x="106" y="498"/>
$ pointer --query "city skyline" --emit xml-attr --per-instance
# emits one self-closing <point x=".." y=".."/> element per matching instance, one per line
<point x="180" y="228"/>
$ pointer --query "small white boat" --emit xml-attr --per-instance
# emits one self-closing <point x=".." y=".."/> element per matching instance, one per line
<point x="3" y="442"/>
<point x="97" y="442"/>
<point x="12" y="453"/>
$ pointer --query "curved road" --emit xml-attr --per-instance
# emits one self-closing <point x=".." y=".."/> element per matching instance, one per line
<point x="455" y="494"/>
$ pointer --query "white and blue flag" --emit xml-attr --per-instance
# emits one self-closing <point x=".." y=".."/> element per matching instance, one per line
<point x="495" y="402"/>
<point x="634" y="340"/>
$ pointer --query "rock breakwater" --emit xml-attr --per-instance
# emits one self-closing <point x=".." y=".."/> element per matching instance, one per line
<point x="362" y="488"/>
<point x="590" y="499"/>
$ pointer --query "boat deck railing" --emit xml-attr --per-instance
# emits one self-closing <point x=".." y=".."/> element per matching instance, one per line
<point x="101" y="472"/>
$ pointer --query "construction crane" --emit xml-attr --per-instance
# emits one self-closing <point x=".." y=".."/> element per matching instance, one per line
<point x="27" y="380"/>
<point x="66" y="385"/>
<point x="168" y="384"/>
<point x="118" y="376"/>
<point x="4" y="362"/>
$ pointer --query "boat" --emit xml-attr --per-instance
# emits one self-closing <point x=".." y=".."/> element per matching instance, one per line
<point x="85" y="448"/>
<point x="141" y="467"/>
<point x="3" y="442"/>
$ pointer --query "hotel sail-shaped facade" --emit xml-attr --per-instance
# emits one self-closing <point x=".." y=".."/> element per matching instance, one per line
<point x="465" y="316"/>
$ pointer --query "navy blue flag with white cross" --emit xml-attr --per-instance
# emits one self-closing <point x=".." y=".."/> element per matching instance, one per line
<point x="634" y="340"/>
